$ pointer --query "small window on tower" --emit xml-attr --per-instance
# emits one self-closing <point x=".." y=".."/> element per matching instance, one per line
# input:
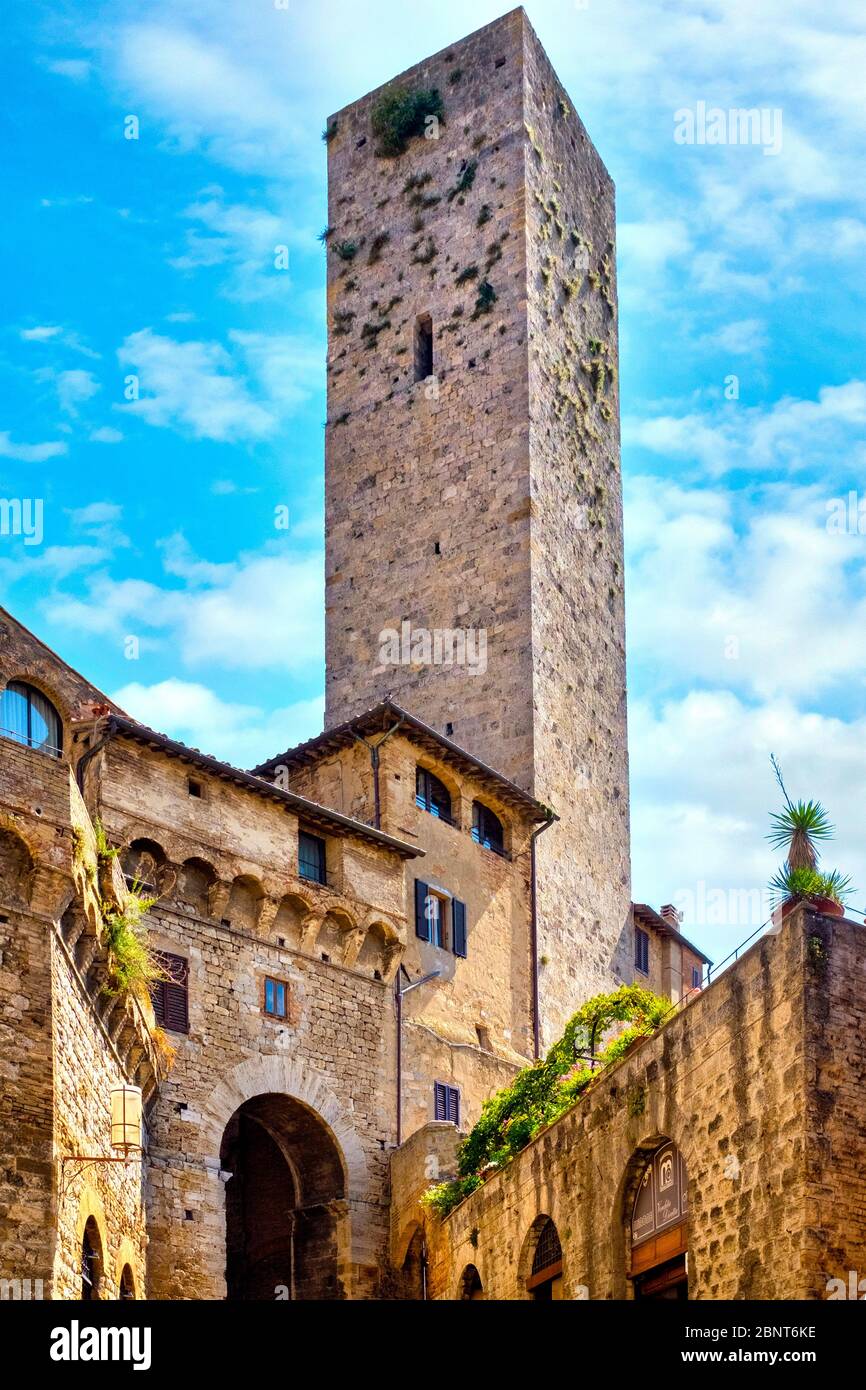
<point x="423" y="347"/>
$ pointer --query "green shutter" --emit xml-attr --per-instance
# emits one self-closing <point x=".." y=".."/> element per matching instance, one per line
<point x="458" y="923"/>
<point x="422" y="921"/>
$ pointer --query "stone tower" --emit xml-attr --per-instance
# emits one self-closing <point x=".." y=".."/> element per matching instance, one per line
<point x="473" y="493"/>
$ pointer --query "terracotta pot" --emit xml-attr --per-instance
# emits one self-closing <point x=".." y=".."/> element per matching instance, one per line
<point x="827" y="906"/>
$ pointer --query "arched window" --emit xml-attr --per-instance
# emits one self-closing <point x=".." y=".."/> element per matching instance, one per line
<point x="431" y="794"/>
<point x="91" y="1261"/>
<point x="545" y="1278"/>
<point x="487" y="828"/>
<point x="27" y="717"/>
<point x="126" y="1288"/>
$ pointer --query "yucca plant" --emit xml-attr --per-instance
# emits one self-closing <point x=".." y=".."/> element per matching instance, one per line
<point x="798" y="828"/>
<point x="796" y="884"/>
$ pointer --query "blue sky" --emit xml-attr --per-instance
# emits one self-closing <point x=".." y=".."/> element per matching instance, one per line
<point x="154" y="257"/>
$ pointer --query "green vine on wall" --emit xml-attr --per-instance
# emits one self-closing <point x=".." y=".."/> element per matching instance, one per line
<point x="540" y="1093"/>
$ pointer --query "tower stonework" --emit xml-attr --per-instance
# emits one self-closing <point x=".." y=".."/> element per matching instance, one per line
<point x="478" y="494"/>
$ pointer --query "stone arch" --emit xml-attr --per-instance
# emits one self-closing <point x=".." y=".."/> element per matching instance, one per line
<point x="17" y="866"/>
<point x="290" y="920"/>
<point x="125" y="1267"/>
<point x="279" y="1076"/>
<point x="145" y="861"/>
<point x="91" y="1225"/>
<point x="413" y="1266"/>
<point x="195" y="879"/>
<point x="378" y="947"/>
<point x="334" y="936"/>
<point x="623" y="1207"/>
<point x="284" y="1076"/>
<point x="244" y="904"/>
<point x="470" y="1288"/>
<point x="527" y="1265"/>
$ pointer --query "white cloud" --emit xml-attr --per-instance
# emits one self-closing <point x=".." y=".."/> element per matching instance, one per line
<point x="241" y="734"/>
<point x="106" y="434"/>
<point x="41" y="334"/>
<point x="29" y="453"/>
<point x="242" y="237"/>
<point x="192" y="387"/>
<point x="76" y="69"/>
<point x="743" y="338"/>
<point x="261" y="612"/>
<point x="738" y="591"/>
<point x="789" y="434"/>
<point x="74" y="387"/>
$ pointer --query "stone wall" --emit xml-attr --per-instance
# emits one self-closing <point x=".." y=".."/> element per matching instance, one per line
<point x="334" y="1054"/>
<point x="86" y="1068"/>
<point x="758" y="1081"/>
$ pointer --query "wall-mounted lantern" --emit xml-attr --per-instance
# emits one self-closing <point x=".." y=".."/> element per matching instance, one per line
<point x="126" y="1118"/>
<point x="125" y="1134"/>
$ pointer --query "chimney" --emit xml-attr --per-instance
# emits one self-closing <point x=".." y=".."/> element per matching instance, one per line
<point x="671" y="916"/>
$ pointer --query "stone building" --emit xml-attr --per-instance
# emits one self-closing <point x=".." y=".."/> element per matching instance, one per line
<point x="363" y="938"/>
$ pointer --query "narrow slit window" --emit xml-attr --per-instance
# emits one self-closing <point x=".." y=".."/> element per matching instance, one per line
<point x="423" y="347"/>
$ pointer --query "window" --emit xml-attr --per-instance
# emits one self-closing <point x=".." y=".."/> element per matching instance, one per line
<point x="487" y="828"/>
<point x="446" y="1103"/>
<point x="90" y="1262"/>
<point x="27" y="717"/>
<point x="311" y="857"/>
<point x="641" y="950"/>
<point x="276" y="997"/>
<point x="431" y="794"/>
<point x="423" y="347"/>
<point x="545" y="1280"/>
<point x="431" y="918"/>
<point x="194" y="788"/>
<point x="171" y="995"/>
<point x="126" y="1289"/>
<point x="696" y="977"/>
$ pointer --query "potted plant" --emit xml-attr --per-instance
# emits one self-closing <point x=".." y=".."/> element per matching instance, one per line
<point x="798" y="829"/>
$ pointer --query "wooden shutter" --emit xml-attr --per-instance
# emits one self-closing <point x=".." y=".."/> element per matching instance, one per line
<point x="171" y="996"/>
<point x="458" y="927"/>
<point x="453" y="1104"/>
<point x="422" y="922"/>
<point x="441" y="1101"/>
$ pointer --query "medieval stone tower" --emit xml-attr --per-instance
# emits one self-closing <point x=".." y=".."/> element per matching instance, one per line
<point x="472" y="472"/>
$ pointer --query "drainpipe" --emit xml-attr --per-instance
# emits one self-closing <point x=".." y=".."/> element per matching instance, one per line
<point x="533" y="935"/>
<point x="373" y="749"/>
<point x="398" y="995"/>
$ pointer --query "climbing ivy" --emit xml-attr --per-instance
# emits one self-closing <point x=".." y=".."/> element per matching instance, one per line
<point x="540" y="1093"/>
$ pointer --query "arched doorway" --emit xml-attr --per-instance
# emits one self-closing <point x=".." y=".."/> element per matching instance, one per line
<point x="471" y="1288"/>
<point x="544" y="1281"/>
<point x="126" y="1287"/>
<point x="659" y="1227"/>
<point x="284" y="1202"/>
